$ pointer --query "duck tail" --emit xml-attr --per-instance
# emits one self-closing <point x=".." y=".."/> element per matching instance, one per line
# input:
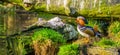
<point x="97" y="32"/>
<point x="95" y="28"/>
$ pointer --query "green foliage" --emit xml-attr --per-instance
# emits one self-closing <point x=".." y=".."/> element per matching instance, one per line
<point x="20" y="3"/>
<point x="55" y="9"/>
<point x="45" y="15"/>
<point x="71" y="49"/>
<point x="45" y="33"/>
<point x="91" y="22"/>
<point x="23" y="45"/>
<point x="106" y="43"/>
<point x="20" y="45"/>
<point x="114" y="27"/>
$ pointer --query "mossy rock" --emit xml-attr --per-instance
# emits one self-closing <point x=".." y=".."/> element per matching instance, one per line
<point x="45" y="33"/>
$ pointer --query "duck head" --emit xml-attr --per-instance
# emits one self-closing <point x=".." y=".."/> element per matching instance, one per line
<point x="81" y="21"/>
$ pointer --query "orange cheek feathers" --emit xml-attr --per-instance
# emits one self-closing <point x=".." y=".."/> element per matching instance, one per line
<point x="81" y="22"/>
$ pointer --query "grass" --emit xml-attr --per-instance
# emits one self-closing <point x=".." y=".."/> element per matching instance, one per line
<point x="114" y="28"/>
<point x="91" y="23"/>
<point x="94" y="23"/>
<point x="71" y="49"/>
<point x="24" y="45"/>
<point x="106" y="43"/>
<point x="20" y="45"/>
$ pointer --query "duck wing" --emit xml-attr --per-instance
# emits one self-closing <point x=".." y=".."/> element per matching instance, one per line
<point x="89" y="30"/>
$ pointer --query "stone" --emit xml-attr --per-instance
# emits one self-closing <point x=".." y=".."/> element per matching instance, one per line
<point x="55" y="23"/>
<point x="70" y="32"/>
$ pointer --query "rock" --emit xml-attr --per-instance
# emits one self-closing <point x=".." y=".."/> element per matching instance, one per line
<point x="67" y="30"/>
<point x="55" y="23"/>
<point x="41" y="22"/>
<point x="70" y="32"/>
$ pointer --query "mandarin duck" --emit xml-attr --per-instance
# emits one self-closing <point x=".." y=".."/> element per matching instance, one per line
<point x="86" y="31"/>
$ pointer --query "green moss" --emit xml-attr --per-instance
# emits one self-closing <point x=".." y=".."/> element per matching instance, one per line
<point x="84" y="12"/>
<point x="45" y="33"/>
<point x="57" y="10"/>
<point x="71" y="49"/>
<point x="103" y="11"/>
<point x="46" y="16"/>
<point x="115" y="9"/>
<point x="40" y="7"/>
<point x="16" y="1"/>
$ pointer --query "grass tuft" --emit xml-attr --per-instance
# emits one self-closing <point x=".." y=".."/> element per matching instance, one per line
<point x="71" y="49"/>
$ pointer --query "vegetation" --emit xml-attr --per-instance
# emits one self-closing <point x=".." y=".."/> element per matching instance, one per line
<point x="46" y="39"/>
<point x="24" y="45"/>
<point x="114" y="27"/>
<point x="45" y="33"/>
<point x="20" y="45"/>
<point x="92" y="23"/>
<point x="107" y="43"/>
<point x="71" y="49"/>
<point x="46" y="16"/>
<point x="116" y="10"/>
